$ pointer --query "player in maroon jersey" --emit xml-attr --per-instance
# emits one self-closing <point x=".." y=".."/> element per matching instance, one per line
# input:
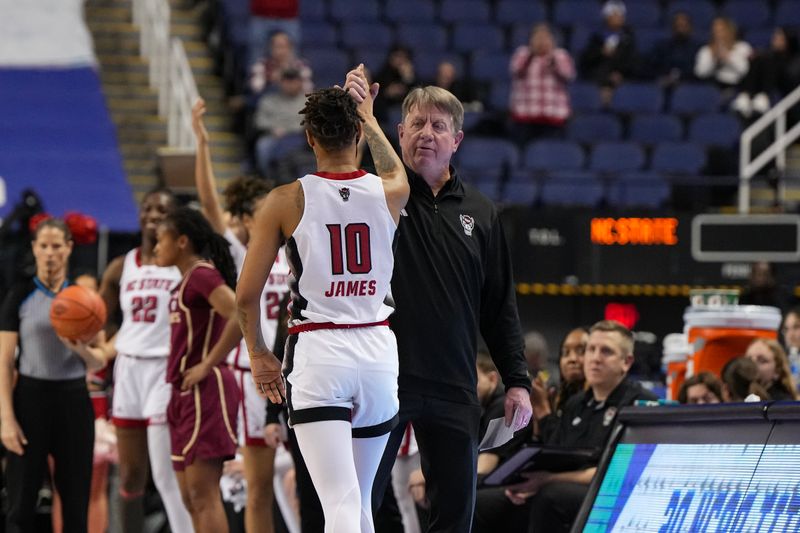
<point x="204" y="402"/>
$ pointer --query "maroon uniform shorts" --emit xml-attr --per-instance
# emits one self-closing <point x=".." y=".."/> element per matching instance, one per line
<point x="202" y="420"/>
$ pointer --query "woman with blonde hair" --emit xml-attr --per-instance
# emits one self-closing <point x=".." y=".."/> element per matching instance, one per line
<point x="773" y="368"/>
<point x="725" y="59"/>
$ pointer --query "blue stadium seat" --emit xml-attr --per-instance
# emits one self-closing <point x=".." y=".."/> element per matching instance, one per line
<point x="355" y="34"/>
<point x="678" y="158"/>
<point x="312" y="10"/>
<point x="638" y="98"/>
<point x="578" y="39"/>
<point x="748" y="13"/>
<point x="489" y="66"/>
<point x="759" y="38"/>
<point x="399" y="11"/>
<point x="470" y="36"/>
<point x="349" y="11"/>
<point x="328" y="65"/>
<point x="694" y="98"/>
<point x="643" y="14"/>
<point x="455" y="11"/>
<point x="578" y="189"/>
<point x="585" y="97"/>
<point x="553" y="155"/>
<point x="414" y="35"/>
<point x="787" y="13"/>
<point x="489" y="188"/>
<point x="488" y="156"/>
<point x="651" y="129"/>
<point x="715" y="129"/>
<point x="373" y="57"/>
<point x="520" y="12"/>
<point x="701" y="12"/>
<point x="519" y="193"/>
<point x="319" y="34"/>
<point x="619" y="156"/>
<point x="650" y="190"/>
<point x="498" y="95"/>
<point x="594" y="127"/>
<point x="577" y="12"/>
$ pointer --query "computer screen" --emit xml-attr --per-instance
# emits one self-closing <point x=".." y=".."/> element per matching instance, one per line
<point x="699" y="478"/>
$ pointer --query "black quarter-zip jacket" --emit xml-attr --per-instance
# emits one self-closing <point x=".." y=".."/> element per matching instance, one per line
<point x="453" y="279"/>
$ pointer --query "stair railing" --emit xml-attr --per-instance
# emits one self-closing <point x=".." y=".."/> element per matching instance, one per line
<point x="776" y="151"/>
<point x="169" y="71"/>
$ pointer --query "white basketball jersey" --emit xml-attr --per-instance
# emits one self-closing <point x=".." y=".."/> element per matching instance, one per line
<point x="271" y="297"/>
<point x="144" y="294"/>
<point x="341" y="251"/>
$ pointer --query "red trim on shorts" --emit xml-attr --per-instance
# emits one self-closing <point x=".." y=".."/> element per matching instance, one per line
<point x="253" y="441"/>
<point x="313" y="326"/>
<point x="341" y="175"/>
<point x="129" y="422"/>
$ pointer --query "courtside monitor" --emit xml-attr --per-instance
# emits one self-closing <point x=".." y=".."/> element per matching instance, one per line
<point x="711" y="468"/>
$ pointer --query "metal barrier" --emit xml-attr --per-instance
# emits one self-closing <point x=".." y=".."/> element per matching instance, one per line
<point x="169" y="70"/>
<point x="776" y="151"/>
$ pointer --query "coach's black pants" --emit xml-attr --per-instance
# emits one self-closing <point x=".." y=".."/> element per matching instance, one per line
<point x="57" y="419"/>
<point x="551" y="510"/>
<point x="447" y="435"/>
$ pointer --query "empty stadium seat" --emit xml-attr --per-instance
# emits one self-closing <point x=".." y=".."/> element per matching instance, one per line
<point x="349" y="11"/>
<point x="715" y="129"/>
<point x="520" y="11"/>
<point x="577" y="189"/>
<point x="472" y="36"/>
<point x="637" y="98"/>
<point x="489" y="157"/>
<point x="748" y="13"/>
<point x="319" y="34"/>
<point x="577" y="12"/>
<point x="399" y="11"/>
<point x="594" y="127"/>
<point x="425" y="64"/>
<point x="639" y="190"/>
<point x="678" y="158"/>
<point x="787" y="13"/>
<point x="694" y="98"/>
<point x="519" y="193"/>
<point x="454" y="11"/>
<point x="355" y="34"/>
<point x="490" y="66"/>
<point x="312" y="10"/>
<point x="584" y="97"/>
<point x="651" y="129"/>
<point x="498" y="95"/>
<point x="553" y="155"/>
<point x="416" y="34"/>
<point x="616" y="156"/>
<point x="643" y="14"/>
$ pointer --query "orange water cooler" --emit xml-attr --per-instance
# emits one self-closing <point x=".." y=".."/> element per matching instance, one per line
<point x="717" y="335"/>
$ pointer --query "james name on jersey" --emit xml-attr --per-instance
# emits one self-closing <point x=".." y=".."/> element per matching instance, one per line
<point x="351" y="288"/>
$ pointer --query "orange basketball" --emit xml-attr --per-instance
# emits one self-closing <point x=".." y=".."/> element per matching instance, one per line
<point x="77" y="313"/>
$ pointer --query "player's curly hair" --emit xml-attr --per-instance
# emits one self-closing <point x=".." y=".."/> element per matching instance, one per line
<point x="242" y="193"/>
<point x="206" y="243"/>
<point x="330" y="116"/>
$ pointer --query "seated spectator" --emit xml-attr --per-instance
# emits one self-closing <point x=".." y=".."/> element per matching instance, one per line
<point x="610" y="57"/>
<point x="447" y="77"/>
<point x="773" y="369"/>
<point x="549" y="501"/>
<point x="536" y="352"/>
<point x="396" y="78"/>
<point x="268" y="16"/>
<point x="570" y="365"/>
<point x="790" y="330"/>
<point x="773" y="73"/>
<point x="724" y="60"/>
<point x="700" y="389"/>
<point x="762" y="288"/>
<point x="740" y="381"/>
<point x="277" y="116"/>
<point x="265" y="75"/>
<point x="539" y="101"/>
<point x="672" y="60"/>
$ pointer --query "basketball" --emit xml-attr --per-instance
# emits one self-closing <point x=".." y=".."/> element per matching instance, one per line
<point x="77" y="314"/>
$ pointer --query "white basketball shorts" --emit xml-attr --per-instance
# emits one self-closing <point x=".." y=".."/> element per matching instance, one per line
<point x="252" y="411"/>
<point x="343" y="374"/>
<point x="141" y="391"/>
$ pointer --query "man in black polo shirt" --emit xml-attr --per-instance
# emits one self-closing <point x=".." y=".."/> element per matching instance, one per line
<point x="549" y="501"/>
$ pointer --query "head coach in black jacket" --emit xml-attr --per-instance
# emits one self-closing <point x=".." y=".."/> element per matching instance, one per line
<point x="452" y="280"/>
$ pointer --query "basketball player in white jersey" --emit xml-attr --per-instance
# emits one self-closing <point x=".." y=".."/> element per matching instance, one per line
<point x="241" y="197"/>
<point x="134" y="284"/>
<point x="340" y="363"/>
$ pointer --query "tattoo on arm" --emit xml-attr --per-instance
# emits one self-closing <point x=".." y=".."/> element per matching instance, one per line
<point x="384" y="156"/>
<point x="260" y="345"/>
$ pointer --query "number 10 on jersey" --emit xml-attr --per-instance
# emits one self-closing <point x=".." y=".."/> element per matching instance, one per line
<point x="353" y="248"/>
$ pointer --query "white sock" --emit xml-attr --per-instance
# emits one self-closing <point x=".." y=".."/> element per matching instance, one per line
<point x="159" y="448"/>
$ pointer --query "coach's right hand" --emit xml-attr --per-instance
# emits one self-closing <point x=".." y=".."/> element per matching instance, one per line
<point x="13" y="438"/>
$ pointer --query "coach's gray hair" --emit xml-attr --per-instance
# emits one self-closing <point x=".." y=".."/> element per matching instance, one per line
<point x="432" y="96"/>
